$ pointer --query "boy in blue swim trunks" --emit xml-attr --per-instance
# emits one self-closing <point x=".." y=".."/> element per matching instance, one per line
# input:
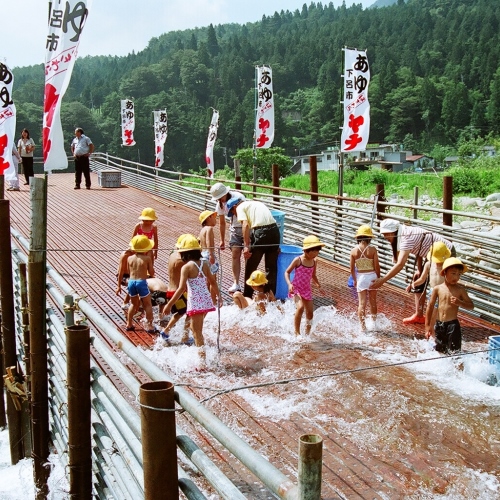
<point x="140" y="266"/>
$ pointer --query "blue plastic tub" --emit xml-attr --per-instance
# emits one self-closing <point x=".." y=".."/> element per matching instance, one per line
<point x="279" y="217"/>
<point x="285" y="258"/>
<point x="493" y="356"/>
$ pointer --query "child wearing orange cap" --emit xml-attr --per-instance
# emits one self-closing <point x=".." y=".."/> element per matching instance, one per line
<point x="304" y="267"/>
<point x="148" y="227"/>
<point x="450" y="296"/>
<point x="365" y="269"/>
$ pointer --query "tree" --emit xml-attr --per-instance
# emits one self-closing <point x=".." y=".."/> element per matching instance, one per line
<point x="265" y="159"/>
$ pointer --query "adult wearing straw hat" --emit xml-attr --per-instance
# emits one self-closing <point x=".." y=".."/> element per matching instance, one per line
<point x="406" y="240"/>
<point x="221" y="194"/>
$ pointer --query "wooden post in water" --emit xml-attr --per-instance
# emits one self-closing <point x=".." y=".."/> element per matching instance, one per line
<point x="276" y="182"/>
<point x="313" y="183"/>
<point x="79" y="425"/>
<point x="159" y="442"/>
<point x="9" y="331"/>
<point x="448" y="200"/>
<point x="38" y="334"/>
<point x="310" y="465"/>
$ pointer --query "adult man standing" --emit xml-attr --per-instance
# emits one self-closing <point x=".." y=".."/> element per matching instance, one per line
<point x="406" y="240"/>
<point x="82" y="148"/>
<point x="261" y="236"/>
<point x="221" y="194"/>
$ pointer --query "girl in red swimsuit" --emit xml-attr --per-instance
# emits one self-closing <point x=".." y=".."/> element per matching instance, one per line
<point x="147" y="227"/>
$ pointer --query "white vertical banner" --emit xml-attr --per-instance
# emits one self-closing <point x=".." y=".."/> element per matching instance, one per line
<point x="7" y="122"/>
<point x="212" y="136"/>
<point x="128" y="122"/>
<point x="264" y="116"/>
<point x="160" y="124"/>
<point x="66" y="22"/>
<point x="356" y="129"/>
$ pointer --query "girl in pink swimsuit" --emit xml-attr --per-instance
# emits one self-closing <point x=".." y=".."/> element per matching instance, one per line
<point x="305" y="274"/>
<point x="197" y="278"/>
<point x="147" y="227"/>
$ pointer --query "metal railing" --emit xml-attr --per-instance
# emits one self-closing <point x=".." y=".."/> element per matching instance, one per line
<point x="335" y="220"/>
<point x="116" y="437"/>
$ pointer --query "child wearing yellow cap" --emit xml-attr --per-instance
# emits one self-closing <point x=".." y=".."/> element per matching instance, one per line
<point x="450" y="296"/>
<point x="365" y="269"/>
<point x="262" y="294"/>
<point x="304" y="269"/>
<point x="147" y="227"/>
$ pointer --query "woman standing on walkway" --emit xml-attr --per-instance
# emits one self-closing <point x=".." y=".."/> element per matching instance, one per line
<point x="25" y="147"/>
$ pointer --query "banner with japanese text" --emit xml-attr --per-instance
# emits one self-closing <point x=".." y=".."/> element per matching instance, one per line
<point x="7" y="122"/>
<point x="356" y="129"/>
<point x="264" y="116"/>
<point x="128" y="122"/>
<point x="212" y="136"/>
<point x="66" y="22"/>
<point x="160" y="125"/>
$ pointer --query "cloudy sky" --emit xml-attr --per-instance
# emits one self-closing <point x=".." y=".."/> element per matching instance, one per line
<point x="119" y="27"/>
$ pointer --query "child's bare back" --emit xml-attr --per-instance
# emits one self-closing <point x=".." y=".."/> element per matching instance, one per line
<point x="140" y="266"/>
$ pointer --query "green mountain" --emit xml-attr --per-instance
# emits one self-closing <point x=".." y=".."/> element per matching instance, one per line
<point x="435" y="67"/>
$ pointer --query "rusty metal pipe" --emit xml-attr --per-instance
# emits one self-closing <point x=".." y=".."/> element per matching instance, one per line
<point x="159" y="448"/>
<point x="310" y="464"/>
<point x="79" y="427"/>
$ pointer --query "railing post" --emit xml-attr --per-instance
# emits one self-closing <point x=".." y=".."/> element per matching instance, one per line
<point x="159" y="447"/>
<point x="79" y="407"/>
<point x="380" y="191"/>
<point x="237" y="175"/>
<point x="310" y="464"/>
<point x="276" y="182"/>
<point x="9" y="332"/>
<point x="313" y="183"/>
<point x="37" y="270"/>
<point x="448" y="200"/>
<point x="415" y="201"/>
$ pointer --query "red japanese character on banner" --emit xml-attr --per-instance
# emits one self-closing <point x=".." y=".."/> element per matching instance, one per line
<point x="355" y="122"/>
<point x="352" y="141"/>
<point x="3" y="145"/>
<point x="51" y="100"/>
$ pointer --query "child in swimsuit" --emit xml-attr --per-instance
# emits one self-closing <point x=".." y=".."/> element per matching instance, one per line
<point x="300" y="286"/>
<point x="450" y="296"/>
<point x="196" y="277"/>
<point x="262" y="294"/>
<point x="147" y="227"/>
<point x="365" y="268"/>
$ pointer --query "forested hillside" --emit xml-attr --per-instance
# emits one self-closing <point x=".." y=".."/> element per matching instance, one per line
<point x="435" y="67"/>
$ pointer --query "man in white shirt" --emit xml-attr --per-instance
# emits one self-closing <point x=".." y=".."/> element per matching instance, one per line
<point x="82" y="148"/>
<point x="261" y="237"/>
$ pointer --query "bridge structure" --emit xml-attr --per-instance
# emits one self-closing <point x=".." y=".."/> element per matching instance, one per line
<point x="372" y="411"/>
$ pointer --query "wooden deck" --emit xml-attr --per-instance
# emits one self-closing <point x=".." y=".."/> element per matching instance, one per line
<point x="388" y="432"/>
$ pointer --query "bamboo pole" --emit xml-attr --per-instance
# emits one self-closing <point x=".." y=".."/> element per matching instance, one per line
<point x="310" y="464"/>
<point x="448" y="200"/>
<point x="79" y="424"/>
<point x="38" y="335"/>
<point x="26" y="414"/>
<point x="9" y="332"/>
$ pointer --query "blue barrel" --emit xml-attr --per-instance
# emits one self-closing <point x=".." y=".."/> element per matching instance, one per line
<point x="279" y="217"/>
<point x="285" y="258"/>
<point x="493" y="343"/>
